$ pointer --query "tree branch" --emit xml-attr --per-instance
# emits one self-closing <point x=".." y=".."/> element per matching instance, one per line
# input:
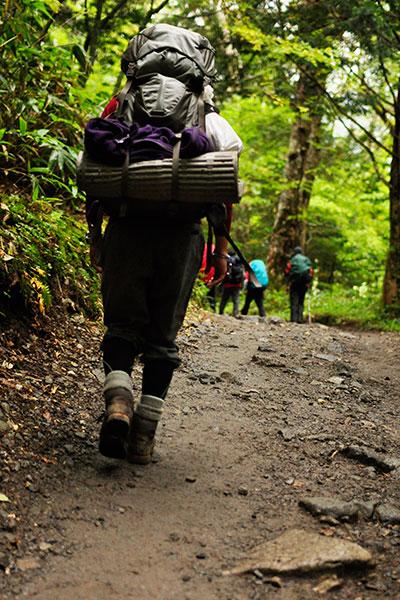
<point x="386" y="77"/>
<point x="367" y="149"/>
<point x="113" y="12"/>
<point x="388" y="20"/>
<point x="342" y="111"/>
<point x="380" y="99"/>
<point x="153" y="11"/>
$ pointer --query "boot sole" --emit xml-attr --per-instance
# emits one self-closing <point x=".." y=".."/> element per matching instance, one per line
<point x="113" y="436"/>
<point x="138" y="459"/>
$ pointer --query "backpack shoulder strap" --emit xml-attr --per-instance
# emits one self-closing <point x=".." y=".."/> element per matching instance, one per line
<point x="126" y="89"/>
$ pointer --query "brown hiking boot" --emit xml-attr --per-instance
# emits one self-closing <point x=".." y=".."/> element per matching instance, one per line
<point x="119" y="411"/>
<point x="141" y="441"/>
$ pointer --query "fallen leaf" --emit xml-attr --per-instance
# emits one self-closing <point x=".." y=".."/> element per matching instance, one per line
<point x="3" y="498"/>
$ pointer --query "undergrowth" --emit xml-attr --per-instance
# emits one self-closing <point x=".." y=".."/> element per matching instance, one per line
<point x="43" y="258"/>
<point x="357" y="307"/>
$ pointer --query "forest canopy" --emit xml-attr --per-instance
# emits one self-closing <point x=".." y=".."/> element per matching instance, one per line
<point x="311" y="86"/>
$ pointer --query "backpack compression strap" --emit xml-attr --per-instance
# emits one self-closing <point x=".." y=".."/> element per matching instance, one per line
<point x="175" y="168"/>
<point x="202" y="113"/>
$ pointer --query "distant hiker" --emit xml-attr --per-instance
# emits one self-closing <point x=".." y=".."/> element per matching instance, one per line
<point x="298" y="274"/>
<point x="254" y="293"/>
<point x="208" y="279"/>
<point x="151" y="251"/>
<point x="232" y="284"/>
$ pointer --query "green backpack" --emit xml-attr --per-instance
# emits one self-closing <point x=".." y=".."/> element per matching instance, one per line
<point x="301" y="266"/>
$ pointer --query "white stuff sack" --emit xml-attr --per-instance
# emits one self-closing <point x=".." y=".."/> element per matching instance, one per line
<point x="222" y="135"/>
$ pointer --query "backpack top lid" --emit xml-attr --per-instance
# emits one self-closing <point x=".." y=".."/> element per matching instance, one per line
<point x="162" y="36"/>
<point x="260" y="271"/>
<point x="300" y="265"/>
<point x="235" y="270"/>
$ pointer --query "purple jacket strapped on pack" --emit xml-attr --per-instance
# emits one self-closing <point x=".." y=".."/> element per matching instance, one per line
<point x="108" y="140"/>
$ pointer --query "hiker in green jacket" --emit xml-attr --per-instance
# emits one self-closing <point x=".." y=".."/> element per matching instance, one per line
<point x="298" y="274"/>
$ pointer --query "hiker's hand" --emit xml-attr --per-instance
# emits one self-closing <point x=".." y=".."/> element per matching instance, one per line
<point x="95" y="257"/>
<point x="221" y="269"/>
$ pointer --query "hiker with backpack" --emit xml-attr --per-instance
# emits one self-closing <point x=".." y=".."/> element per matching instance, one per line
<point x="151" y="251"/>
<point x="252" y="291"/>
<point x="232" y="284"/>
<point x="299" y="274"/>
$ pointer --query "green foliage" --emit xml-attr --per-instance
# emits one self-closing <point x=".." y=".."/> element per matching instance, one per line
<point x="40" y="124"/>
<point x="359" y="307"/>
<point x="348" y="217"/>
<point x="264" y="128"/>
<point x="59" y="64"/>
<point x="43" y="258"/>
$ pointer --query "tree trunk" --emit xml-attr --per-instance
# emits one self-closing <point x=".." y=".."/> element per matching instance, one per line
<point x="93" y="34"/>
<point x="391" y="284"/>
<point x="290" y="224"/>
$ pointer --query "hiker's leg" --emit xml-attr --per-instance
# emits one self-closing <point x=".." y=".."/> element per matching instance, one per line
<point x="236" y="300"/>
<point x="224" y="299"/>
<point x="157" y="376"/>
<point x="118" y="355"/>
<point x="259" y="299"/>
<point x="126" y="267"/>
<point x="178" y="259"/>
<point x="247" y="302"/>
<point x="301" y="293"/>
<point x="293" y="303"/>
<point x="211" y="297"/>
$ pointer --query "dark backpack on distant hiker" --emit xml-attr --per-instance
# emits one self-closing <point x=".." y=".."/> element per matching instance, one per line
<point x="235" y="271"/>
<point x="167" y="68"/>
<point x="301" y="268"/>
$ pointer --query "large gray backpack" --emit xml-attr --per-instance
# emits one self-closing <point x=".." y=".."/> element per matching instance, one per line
<point x="167" y="68"/>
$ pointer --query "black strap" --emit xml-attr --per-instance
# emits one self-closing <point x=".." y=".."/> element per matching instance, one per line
<point x="122" y="96"/>
<point x="124" y="186"/>
<point x="209" y="249"/>
<point x="202" y="113"/>
<point x="217" y="218"/>
<point x="175" y="168"/>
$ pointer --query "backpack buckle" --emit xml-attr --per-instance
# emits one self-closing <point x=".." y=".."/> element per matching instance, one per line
<point x="130" y="70"/>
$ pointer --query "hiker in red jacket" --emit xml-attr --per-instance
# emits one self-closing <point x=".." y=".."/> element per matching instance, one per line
<point x="232" y="284"/>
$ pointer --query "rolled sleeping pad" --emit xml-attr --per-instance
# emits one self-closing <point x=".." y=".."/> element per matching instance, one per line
<point x="211" y="177"/>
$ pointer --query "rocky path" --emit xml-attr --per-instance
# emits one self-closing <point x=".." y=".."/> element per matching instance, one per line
<point x="270" y="428"/>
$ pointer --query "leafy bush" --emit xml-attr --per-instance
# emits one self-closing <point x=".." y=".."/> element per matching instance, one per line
<point x="40" y="123"/>
<point x="43" y="258"/>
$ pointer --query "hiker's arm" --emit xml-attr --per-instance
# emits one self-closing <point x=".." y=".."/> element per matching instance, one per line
<point x="94" y="218"/>
<point x="220" y="259"/>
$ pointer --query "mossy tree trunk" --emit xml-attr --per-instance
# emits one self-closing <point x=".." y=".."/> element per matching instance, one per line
<point x="290" y="226"/>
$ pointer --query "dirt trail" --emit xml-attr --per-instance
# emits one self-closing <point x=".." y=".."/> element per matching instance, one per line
<point x="255" y="420"/>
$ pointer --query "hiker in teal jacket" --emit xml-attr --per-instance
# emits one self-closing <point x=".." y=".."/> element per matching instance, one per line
<point x="298" y="274"/>
<point x="256" y="293"/>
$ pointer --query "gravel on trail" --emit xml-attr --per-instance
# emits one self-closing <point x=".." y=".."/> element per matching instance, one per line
<point x="270" y="429"/>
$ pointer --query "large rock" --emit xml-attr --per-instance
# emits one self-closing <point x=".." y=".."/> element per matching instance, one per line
<point x="365" y="455"/>
<point x="387" y="513"/>
<point x="320" y="505"/>
<point x="299" y="551"/>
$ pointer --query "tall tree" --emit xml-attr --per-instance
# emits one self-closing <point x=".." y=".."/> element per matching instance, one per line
<point x="289" y="228"/>
<point x="373" y="91"/>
